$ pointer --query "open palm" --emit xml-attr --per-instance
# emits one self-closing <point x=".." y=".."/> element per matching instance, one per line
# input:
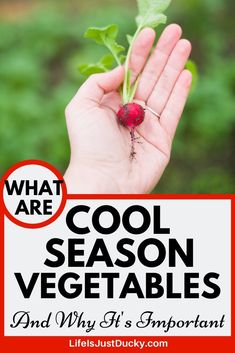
<point x="100" y="146"/>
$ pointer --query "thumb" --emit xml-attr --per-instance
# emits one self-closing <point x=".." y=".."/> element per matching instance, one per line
<point x="99" y="84"/>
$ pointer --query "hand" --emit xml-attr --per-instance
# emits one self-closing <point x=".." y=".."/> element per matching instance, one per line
<point x="100" y="147"/>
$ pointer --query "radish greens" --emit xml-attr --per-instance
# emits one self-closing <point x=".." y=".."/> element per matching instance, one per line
<point x="150" y="14"/>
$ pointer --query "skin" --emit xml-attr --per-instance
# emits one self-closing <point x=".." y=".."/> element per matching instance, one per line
<point x="100" y="147"/>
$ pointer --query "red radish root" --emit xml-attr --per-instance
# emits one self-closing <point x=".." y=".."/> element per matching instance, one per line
<point x="131" y="115"/>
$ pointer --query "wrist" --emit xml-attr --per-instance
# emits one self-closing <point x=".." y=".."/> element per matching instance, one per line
<point x="83" y="180"/>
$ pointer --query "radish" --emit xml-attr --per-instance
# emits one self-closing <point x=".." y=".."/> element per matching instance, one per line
<point x="131" y="115"/>
<point x="151" y="15"/>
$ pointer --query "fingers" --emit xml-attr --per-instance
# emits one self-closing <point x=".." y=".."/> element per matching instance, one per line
<point x="140" y="51"/>
<point x="158" y="60"/>
<point x="97" y="85"/>
<point x="174" y="66"/>
<point x="175" y="106"/>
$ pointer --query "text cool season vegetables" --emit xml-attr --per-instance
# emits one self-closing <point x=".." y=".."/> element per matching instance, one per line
<point x="94" y="257"/>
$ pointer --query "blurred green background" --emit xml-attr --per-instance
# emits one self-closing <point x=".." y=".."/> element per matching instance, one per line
<point x="41" y="44"/>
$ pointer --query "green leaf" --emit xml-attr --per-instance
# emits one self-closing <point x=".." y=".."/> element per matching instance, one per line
<point x="192" y="67"/>
<point x="90" y="69"/>
<point x="106" y="36"/>
<point x="101" y="34"/>
<point x="151" y="12"/>
<point x="129" y="38"/>
<point x="155" y="5"/>
<point x="152" y="21"/>
<point x="114" y="47"/>
<point x="105" y="63"/>
<point x="122" y="58"/>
